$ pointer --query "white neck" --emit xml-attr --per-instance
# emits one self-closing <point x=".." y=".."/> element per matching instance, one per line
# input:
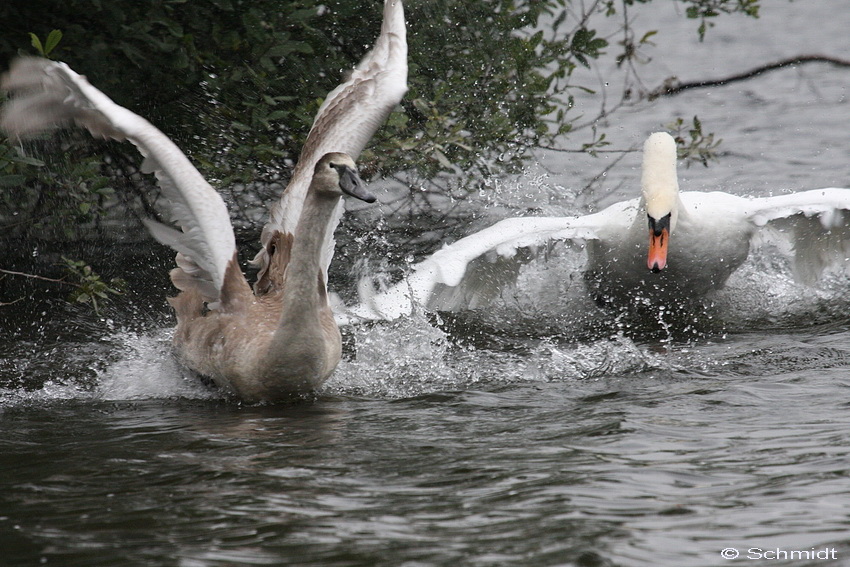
<point x="659" y="182"/>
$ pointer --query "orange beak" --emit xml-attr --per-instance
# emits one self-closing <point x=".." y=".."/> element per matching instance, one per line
<point x="657" y="259"/>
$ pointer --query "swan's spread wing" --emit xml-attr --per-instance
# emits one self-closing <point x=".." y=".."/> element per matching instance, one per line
<point x="346" y="121"/>
<point x="472" y="271"/>
<point x="818" y="223"/>
<point x="51" y="94"/>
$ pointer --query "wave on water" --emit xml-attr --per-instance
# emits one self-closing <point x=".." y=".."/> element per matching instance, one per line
<point x="415" y="356"/>
<point x="126" y="365"/>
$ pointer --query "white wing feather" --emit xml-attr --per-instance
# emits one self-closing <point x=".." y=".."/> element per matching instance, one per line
<point x="346" y="121"/>
<point x="471" y="271"/>
<point x="50" y="94"/>
<point x="818" y="222"/>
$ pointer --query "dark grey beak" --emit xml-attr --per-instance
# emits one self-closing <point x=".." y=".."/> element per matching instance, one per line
<point x="351" y="184"/>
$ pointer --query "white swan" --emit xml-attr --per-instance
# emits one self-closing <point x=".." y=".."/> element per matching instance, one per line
<point x="665" y="247"/>
<point x="282" y="340"/>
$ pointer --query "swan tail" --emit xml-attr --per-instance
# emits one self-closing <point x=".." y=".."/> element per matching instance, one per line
<point x="50" y="94"/>
<point x="346" y="121"/>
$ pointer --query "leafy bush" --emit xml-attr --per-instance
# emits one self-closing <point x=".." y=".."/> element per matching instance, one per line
<point x="236" y="84"/>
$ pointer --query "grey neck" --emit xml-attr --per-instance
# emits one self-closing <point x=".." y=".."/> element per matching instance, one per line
<point x="304" y="287"/>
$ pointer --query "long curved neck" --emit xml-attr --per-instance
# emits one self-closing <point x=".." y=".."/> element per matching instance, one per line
<point x="304" y="292"/>
<point x="659" y="182"/>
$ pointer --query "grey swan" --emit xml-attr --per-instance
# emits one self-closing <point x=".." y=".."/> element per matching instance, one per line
<point x="665" y="246"/>
<point x="280" y="339"/>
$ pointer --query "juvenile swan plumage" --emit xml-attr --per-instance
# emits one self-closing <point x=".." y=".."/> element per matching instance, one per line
<point x="279" y="339"/>
<point x="285" y="342"/>
<point x="696" y="241"/>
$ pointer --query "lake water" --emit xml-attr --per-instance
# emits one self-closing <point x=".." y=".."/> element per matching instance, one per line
<point x="535" y="433"/>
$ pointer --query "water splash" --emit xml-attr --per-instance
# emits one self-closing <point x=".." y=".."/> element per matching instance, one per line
<point x="50" y="391"/>
<point x="616" y="356"/>
<point x="147" y="370"/>
<point x="404" y="358"/>
<point x="763" y="294"/>
<point x="544" y="329"/>
<point x="550" y="298"/>
<point x="126" y="365"/>
<point x="530" y="190"/>
<point x="416" y="356"/>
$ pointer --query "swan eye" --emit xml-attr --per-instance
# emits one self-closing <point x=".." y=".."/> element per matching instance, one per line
<point x="656" y="226"/>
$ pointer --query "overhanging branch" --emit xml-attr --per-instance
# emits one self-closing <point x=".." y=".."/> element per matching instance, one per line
<point x="672" y="87"/>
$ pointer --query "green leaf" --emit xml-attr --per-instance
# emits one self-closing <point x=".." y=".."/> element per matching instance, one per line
<point x="53" y="39"/>
<point x="26" y="160"/>
<point x="648" y="35"/>
<point x="36" y="43"/>
<point x="277" y="115"/>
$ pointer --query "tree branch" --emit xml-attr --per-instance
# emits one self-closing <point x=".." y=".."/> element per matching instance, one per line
<point x="672" y="87"/>
<point x="587" y="150"/>
<point x="36" y="277"/>
<point x="585" y="190"/>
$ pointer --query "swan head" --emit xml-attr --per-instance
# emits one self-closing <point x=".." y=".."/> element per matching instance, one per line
<point x="660" y="188"/>
<point x="335" y="174"/>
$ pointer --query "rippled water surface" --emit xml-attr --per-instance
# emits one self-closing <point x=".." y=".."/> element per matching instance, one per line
<point x="664" y="458"/>
<point x="537" y="432"/>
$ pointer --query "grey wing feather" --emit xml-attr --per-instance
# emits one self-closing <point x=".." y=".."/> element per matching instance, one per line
<point x="346" y="121"/>
<point x="49" y="94"/>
